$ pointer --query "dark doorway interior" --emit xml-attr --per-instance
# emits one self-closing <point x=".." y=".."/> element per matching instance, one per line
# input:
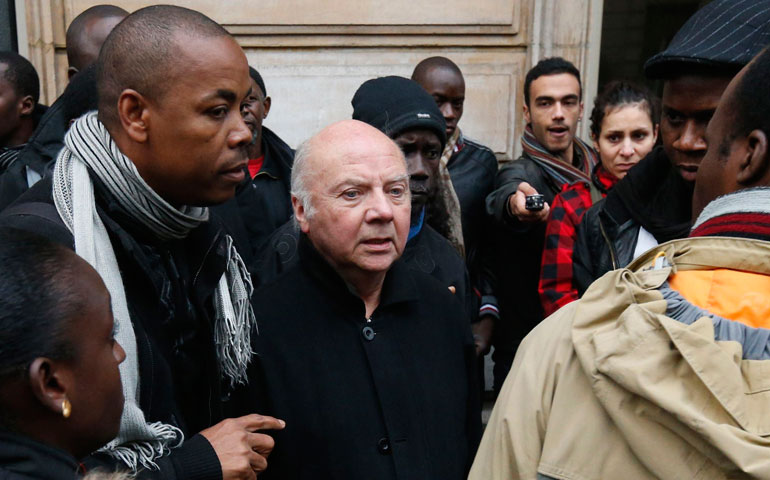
<point x="634" y="30"/>
<point x="8" y="39"/>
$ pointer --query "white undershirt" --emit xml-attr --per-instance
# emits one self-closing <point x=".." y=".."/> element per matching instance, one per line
<point x="644" y="242"/>
<point x="32" y="177"/>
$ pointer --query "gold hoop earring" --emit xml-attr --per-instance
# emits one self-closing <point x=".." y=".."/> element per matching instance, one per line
<point x="66" y="408"/>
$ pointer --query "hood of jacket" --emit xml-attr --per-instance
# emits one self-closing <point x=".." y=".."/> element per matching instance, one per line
<point x="684" y="398"/>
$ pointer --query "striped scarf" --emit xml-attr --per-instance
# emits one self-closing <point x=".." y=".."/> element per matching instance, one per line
<point x="744" y="213"/>
<point x="561" y="171"/>
<point x="89" y="146"/>
<point x="8" y="155"/>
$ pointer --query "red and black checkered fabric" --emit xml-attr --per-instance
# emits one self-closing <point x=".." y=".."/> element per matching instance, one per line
<point x="556" y="287"/>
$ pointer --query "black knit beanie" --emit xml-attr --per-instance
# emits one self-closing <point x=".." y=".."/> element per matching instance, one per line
<point x="396" y="104"/>
<point x="722" y="36"/>
<point x="254" y="74"/>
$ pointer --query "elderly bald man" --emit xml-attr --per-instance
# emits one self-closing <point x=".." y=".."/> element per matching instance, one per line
<point x="370" y="363"/>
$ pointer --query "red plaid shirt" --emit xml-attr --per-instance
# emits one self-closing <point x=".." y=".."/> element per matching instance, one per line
<point x="556" y="287"/>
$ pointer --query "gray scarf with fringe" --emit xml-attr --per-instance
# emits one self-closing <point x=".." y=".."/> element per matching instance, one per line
<point x="88" y="145"/>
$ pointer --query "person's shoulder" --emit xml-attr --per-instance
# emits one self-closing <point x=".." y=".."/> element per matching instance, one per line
<point x="34" y="212"/>
<point x="480" y="153"/>
<point x="282" y="284"/>
<point x="41" y="191"/>
<point x="523" y="167"/>
<point x="277" y="254"/>
<point x="438" y="243"/>
<point x="434" y="297"/>
<point x="551" y="338"/>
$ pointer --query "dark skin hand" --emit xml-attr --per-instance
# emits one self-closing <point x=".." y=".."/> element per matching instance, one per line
<point x="482" y="334"/>
<point x="241" y="451"/>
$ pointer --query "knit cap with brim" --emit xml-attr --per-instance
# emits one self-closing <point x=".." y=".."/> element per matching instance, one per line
<point x="396" y="104"/>
<point x="724" y="35"/>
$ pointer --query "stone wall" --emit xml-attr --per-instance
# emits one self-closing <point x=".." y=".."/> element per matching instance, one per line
<point x="313" y="54"/>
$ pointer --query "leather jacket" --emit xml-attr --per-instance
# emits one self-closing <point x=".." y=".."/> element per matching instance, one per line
<point x="652" y="195"/>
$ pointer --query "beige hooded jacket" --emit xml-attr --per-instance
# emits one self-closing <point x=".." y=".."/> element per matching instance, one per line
<point x="610" y="387"/>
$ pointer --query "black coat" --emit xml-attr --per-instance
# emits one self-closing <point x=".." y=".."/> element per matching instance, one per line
<point x="262" y="204"/>
<point x="428" y="252"/>
<point x="518" y="248"/>
<point x="652" y="195"/>
<point x="473" y="169"/>
<point x="41" y="148"/>
<point x="22" y="458"/>
<point x="394" y="398"/>
<point x="169" y="288"/>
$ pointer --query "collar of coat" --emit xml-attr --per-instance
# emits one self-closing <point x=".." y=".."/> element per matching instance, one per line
<point x="399" y="285"/>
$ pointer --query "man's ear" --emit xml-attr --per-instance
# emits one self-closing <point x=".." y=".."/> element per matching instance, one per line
<point x="266" y="104"/>
<point x="134" y="115"/>
<point x="26" y="105"/>
<point x="580" y="115"/>
<point x="48" y="383"/>
<point x="526" y="114"/>
<point x="300" y="213"/>
<point x="754" y="165"/>
<point x="71" y="71"/>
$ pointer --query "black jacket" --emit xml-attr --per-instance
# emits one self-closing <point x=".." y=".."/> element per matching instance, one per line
<point x="263" y="203"/>
<point x="473" y="169"/>
<point x="22" y="458"/>
<point x="652" y="195"/>
<point x="169" y="288"/>
<point x="393" y="398"/>
<point x="428" y="252"/>
<point x="42" y="148"/>
<point x="518" y="249"/>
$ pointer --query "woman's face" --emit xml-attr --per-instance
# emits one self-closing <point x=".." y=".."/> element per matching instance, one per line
<point x="96" y="392"/>
<point x="626" y="137"/>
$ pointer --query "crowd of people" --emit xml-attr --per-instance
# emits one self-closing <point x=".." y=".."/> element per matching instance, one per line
<point x="185" y="296"/>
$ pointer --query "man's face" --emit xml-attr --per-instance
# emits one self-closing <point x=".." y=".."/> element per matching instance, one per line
<point x="253" y="111"/>
<point x="719" y="168"/>
<point x="689" y="103"/>
<point x="448" y="89"/>
<point x="10" y="109"/>
<point x="422" y="149"/>
<point x="360" y="192"/>
<point x="97" y="396"/>
<point x="554" y="110"/>
<point x="196" y="134"/>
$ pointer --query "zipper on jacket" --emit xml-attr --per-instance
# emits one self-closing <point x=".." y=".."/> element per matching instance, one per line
<point x="609" y="245"/>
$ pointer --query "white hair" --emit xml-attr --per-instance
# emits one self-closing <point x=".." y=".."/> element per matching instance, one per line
<point x="300" y="173"/>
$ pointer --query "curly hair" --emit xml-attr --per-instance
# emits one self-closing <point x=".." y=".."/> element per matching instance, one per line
<point x="617" y="94"/>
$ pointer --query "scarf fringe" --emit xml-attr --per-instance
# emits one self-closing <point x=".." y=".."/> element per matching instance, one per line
<point x="143" y="454"/>
<point x="235" y="318"/>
